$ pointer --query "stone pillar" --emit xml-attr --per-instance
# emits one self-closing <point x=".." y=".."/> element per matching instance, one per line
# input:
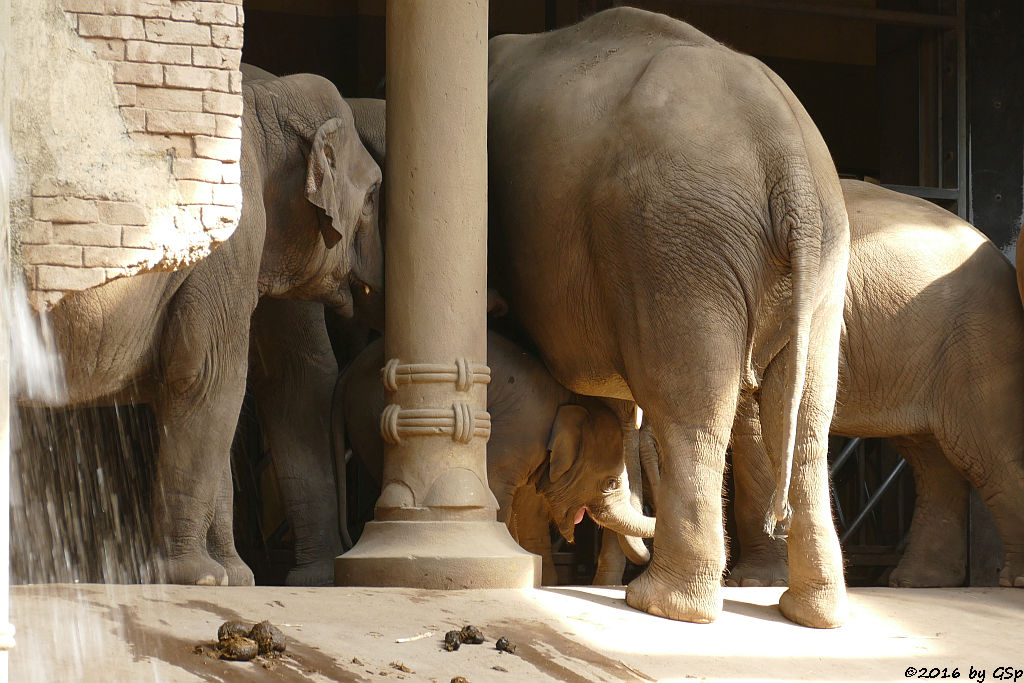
<point x="6" y="630"/>
<point x="434" y="524"/>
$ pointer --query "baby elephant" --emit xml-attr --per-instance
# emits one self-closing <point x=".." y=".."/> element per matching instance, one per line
<point x="931" y="358"/>
<point x="545" y="441"/>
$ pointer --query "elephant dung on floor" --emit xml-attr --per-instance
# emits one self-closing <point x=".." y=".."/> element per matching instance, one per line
<point x="548" y="450"/>
<point x="932" y="359"/>
<point x="667" y="223"/>
<point x="180" y="340"/>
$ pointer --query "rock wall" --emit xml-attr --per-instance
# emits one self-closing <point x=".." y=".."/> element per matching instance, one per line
<point x="126" y="137"/>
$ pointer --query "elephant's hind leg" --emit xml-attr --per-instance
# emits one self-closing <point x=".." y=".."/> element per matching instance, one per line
<point x="817" y="591"/>
<point x="762" y="559"/>
<point x="936" y="554"/>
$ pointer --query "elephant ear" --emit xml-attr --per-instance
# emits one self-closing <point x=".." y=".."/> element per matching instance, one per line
<point x="566" y="439"/>
<point x="321" y="178"/>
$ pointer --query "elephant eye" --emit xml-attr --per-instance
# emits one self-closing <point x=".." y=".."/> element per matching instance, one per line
<point x="611" y="484"/>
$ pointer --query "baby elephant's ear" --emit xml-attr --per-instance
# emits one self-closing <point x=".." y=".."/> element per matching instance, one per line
<point x="322" y="177"/>
<point x="566" y="439"/>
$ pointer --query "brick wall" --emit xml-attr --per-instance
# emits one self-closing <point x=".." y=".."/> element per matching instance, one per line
<point x="173" y="65"/>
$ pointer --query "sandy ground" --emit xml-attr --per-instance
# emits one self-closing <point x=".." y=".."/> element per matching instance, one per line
<point x="579" y="634"/>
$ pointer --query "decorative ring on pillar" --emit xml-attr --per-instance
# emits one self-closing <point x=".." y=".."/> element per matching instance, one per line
<point x="464" y="374"/>
<point x="460" y="421"/>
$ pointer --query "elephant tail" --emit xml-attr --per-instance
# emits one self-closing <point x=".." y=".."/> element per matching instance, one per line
<point x="799" y="220"/>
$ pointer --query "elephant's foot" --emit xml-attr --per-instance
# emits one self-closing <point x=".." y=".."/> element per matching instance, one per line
<point x="759" y="569"/>
<point x="319" y="573"/>
<point x="197" y="569"/>
<point x="695" y="599"/>
<point x="1012" y="574"/>
<point x="238" y="571"/>
<point x="914" y="572"/>
<point x="818" y="606"/>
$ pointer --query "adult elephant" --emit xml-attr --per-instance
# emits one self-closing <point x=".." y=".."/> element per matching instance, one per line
<point x="933" y="359"/>
<point x="180" y="340"/>
<point x="295" y="351"/>
<point x="550" y="456"/>
<point x="668" y="225"/>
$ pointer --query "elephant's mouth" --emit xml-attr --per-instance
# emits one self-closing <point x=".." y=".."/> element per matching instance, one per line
<point x="351" y="292"/>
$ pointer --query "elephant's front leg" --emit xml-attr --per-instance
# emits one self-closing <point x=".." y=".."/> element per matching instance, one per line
<point x="762" y="559"/>
<point x="220" y="541"/>
<point x="202" y="363"/>
<point x="292" y="375"/>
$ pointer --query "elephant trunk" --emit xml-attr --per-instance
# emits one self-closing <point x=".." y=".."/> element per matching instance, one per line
<point x="619" y="516"/>
<point x="634" y="549"/>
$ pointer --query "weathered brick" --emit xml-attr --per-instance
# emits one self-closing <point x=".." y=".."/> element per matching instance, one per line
<point x="158" y="53"/>
<point x="137" y="236"/>
<point x="125" y="94"/>
<point x="195" y="192"/>
<point x="236" y="82"/>
<point x="170" y="99"/>
<point x="91" y="6"/>
<point x="112" y="257"/>
<point x="227" y="195"/>
<point x="134" y="118"/>
<point x="222" y="103"/>
<point x="52" y="254"/>
<point x="140" y="8"/>
<point x="46" y="187"/>
<point x="30" y="276"/>
<point x="68" y="278"/>
<point x="226" y="36"/>
<point x="102" y="26"/>
<point x="179" y="32"/>
<point x="207" y="170"/>
<point x="232" y="173"/>
<point x="219" y="217"/>
<point x="221" y="235"/>
<point x="177" y="145"/>
<point x="138" y="73"/>
<point x="188" y="220"/>
<point x="223" y="149"/>
<point x="204" y="12"/>
<point x="36" y="232"/>
<point x="241" y="14"/>
<point x="44" y="300"/>
<point x="182" y="122"/>
<point x="229" y="126"/>
<point x="91" y="234"/>
<point x="216" y="57"/>
<point x="196" y="78"/>
<point x="110" y="49"/>
<point x="122" y="213"/>
<point x="65" y="210"/>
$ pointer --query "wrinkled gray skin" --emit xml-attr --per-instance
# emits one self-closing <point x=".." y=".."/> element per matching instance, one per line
<point x="292" y="373"/>
<point x="544" y="442"/>
<point x="180" y="340"/>
<point x="931" y="359"/>
<point x="653" y="196"/>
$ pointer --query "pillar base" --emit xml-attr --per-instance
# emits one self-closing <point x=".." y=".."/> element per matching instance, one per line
<point x="437" y="554"/>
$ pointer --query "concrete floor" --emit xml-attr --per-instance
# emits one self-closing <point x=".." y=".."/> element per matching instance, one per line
<point x="580" y="634"/>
